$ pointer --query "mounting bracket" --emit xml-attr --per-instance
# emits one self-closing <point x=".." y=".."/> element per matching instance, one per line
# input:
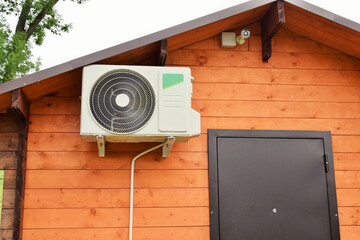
<point x="168" y="144"/>
<point x="101" y="145"/>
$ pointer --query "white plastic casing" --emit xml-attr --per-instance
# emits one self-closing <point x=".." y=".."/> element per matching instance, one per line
<point x="172" y="115"/>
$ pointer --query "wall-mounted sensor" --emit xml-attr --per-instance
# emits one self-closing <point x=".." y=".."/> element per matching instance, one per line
<point x="245" y="33"/>
<point x="228" y="39"/>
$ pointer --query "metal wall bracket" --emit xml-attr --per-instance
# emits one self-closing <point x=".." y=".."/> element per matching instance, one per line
<point x="101" y="145"/>
<point x="169" y="142"/>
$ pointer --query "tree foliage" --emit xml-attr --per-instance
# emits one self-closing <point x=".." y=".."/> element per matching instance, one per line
<point x="34" y="19"/>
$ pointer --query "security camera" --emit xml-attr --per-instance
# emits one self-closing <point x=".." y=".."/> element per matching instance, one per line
<point x="245" y="33"/>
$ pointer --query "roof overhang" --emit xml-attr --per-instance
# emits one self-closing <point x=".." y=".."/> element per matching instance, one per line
<point x="300" y="18"/>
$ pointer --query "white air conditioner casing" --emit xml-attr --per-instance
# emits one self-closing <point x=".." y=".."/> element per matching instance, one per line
<point x="171" y="114"/>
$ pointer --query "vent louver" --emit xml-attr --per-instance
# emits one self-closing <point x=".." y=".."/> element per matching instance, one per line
<point x="122" y="101"/>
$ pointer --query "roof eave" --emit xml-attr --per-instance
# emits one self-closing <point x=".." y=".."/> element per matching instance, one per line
<point x="127" y="46"/>
<point x="157" y="36"/>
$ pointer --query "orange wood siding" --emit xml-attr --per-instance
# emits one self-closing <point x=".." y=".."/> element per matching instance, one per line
<point x="73" y="194"/>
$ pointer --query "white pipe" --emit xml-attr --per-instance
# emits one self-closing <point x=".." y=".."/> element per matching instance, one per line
<point x="132" y="185"/>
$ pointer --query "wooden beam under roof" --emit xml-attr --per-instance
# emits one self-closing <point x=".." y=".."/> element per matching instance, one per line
<point x="20" y="104"/>
<point x="163" y="52"/>
<point x="271" y="22"/>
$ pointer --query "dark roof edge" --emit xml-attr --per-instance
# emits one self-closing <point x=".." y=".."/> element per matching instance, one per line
<point x="157" y="36"/>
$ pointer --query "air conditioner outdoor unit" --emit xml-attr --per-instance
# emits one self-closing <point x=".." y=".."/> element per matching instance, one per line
<point x="137" y="104"/>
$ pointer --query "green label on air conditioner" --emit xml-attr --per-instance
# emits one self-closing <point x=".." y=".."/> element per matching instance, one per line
<point x="170" y="79"/>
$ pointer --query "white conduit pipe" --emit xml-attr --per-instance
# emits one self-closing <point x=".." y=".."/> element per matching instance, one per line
<point x="132" y="185"/>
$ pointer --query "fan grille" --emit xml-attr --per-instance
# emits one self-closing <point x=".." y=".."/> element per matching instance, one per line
<point x="122" y="118"/>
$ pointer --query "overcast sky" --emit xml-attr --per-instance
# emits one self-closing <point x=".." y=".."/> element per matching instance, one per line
<point x="99" y="24"/>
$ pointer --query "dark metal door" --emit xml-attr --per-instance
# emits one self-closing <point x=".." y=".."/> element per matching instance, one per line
<point x="271" y="187"/>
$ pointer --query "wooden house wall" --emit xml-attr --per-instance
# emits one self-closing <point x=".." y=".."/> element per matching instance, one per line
<point x="11" y="143"/>
<point x="72" y="194"/>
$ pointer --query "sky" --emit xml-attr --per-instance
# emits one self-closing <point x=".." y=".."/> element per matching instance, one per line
<point x="99" y="24"/>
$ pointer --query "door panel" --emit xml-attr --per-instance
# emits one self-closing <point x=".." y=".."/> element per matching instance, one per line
<point x="272" y="189"/>
<point x="271" y="185"/>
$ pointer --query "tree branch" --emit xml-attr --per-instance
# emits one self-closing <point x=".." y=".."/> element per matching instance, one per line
<point x="20" y="27"/>
<point x="38" y="18"/>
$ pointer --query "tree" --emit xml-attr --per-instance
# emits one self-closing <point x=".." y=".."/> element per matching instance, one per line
<point x="34" y="19"/>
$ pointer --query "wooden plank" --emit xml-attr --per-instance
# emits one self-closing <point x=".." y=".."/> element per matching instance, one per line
<point x="212" y="29"/>
<point x="61" y="105"/>
<point x="8" y="160"/>
<point x="348" y="197"/>
<point x="10" y="179"/>
<point x="56" y="105"/>
<point x="9" y="141"/>
<point x="8" y="200"/>
<point x="275" y="76"/>
<point x="7" y="219"/>
<point x="336" y="126"/>
<point x="5" y="101"/>
<point x="153" y="233"/>
<point x="261" y="92"/>
<point x="149" y="217"/>
<point x="349" y="216"/>
<point x="51" y="123"/>
<point x="115" y="217"/>
<point x="255" y="29"/>
<point x="73" y="142"/>
<point x="143" y="179"/>
<point x="289" y="44"/>
<point x="135" y="56"/>
<point x="346" y="143"/>
<point x="51" y="86"/>
<point x="116" y="179"/>
<point x="73" y="91"/>
<point x="271" y="22"/>
<point x="347" y="161"/>
<point x="8" y="123"/>
<point x="349" y="232"/>
<point x="116" y="198"/>
<point x="210" y="58"/>
<point x="214" y="43"/>
<point x="347" y="179"/>
<point x="60" y="142"/>
<point x="20" y="104"/>
<point x="259" y="109"/>
<point x="6" y="234"/>
<point x="322" y="30"/>
<point x="113" y="160"/>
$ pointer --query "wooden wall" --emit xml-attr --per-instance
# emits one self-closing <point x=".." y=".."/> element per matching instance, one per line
<point x="12" y="141"/>
<point x="73" y="194"/>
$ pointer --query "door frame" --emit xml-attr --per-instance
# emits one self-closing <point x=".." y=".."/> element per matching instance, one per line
<point x="214" y="134"/>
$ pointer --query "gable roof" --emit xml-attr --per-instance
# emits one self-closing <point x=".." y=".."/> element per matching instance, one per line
<point x="310" y="21"/>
